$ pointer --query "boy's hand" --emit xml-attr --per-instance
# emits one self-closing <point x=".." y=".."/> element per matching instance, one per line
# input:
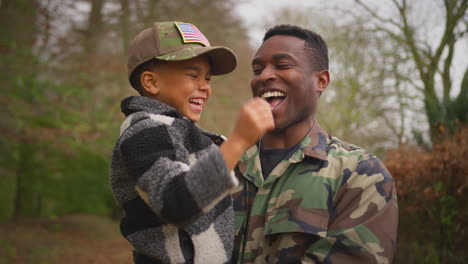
<point x="255" y="119"/>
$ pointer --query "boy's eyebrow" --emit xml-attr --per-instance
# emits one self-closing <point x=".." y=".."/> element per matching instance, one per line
<point x="276" y="57"/>
<point x="192" y="67"/>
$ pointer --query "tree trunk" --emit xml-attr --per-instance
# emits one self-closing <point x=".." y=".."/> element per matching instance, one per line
<point x="18" y="27"/>
<point x="18" y="24"/>
<point x="94" y="26"/>
<point x="24" y="156"/>
<point x="124" y="23"/>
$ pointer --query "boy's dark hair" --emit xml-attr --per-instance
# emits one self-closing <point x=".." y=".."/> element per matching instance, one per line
<point x="150" y="65"/>
<point x="314" y="44"/>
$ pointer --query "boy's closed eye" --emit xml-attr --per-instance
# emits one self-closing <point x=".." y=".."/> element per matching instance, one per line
<point x="197" y="76"/>
<point x="193" y="75"/>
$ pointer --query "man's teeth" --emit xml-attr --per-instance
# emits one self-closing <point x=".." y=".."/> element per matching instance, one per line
<point x="196" y="101"/>
<point x="273" y="94"/>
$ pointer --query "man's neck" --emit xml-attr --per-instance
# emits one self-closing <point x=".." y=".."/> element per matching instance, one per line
<point x="289" y="136"/>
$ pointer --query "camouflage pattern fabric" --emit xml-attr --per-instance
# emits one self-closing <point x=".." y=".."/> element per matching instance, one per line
<point x="330" y="202"/>
<point x="176" y="41"/>
<point x="170" y="40"/>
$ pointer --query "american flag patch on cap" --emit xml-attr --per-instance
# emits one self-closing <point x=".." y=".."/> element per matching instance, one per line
<point x="191" y="34"/>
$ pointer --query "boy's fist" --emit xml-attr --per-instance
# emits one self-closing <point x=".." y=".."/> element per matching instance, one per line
<point x="255" y="119"/>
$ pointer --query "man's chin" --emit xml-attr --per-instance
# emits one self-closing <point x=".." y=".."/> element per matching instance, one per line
<point x="279" y="127"/>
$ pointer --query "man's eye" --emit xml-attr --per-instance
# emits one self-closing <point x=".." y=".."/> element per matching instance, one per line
<point x="257" y="71"/>
<point x="193" y="76"/>
<point x="208" y="78"/>
<point x="283" y="66"/>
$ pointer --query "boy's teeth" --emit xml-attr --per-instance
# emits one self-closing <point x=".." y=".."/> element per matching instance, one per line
<point x="197" y="101"/>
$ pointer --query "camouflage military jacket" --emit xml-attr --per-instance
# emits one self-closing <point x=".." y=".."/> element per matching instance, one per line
<point x="330" y="202"/>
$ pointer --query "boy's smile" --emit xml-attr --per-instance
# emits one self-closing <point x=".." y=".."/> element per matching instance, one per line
<point x="184" y="85"/>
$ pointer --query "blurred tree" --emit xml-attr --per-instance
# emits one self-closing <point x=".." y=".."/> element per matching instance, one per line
<point x="124" y="23"/>
<point x="431" y="57"/>
<point x="95" y="24"/>
<point x="18" y="67"/>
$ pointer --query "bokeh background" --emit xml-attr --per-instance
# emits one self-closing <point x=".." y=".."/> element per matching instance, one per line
<point x="399" y="89"/>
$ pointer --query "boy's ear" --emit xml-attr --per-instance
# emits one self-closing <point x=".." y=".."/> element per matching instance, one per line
<point x="149" y="83"/>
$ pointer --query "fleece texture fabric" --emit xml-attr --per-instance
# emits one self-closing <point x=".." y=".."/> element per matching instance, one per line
<point x="173" y="184"/>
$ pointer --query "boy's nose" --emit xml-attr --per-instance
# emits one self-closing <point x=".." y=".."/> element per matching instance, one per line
<point x="204" y="85"/>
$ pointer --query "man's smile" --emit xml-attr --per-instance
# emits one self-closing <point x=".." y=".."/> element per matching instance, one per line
<point x="273" y="97"/>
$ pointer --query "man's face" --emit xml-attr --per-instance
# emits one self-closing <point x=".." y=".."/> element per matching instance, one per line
<point x="284" y="76"/>
<point x="185" y="85"/>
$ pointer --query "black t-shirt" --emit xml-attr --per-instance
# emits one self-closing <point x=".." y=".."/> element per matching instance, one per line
<point x="269" y="158"/>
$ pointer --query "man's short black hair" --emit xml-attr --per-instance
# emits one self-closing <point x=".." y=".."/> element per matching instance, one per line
<point x="314" y="44"/>
<point x="150" y="65"/>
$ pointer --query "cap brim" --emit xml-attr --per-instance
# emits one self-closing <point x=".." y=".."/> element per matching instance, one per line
<point x="222" y="59"/>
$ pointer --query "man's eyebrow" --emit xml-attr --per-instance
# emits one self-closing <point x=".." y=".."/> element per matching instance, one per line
<point x="276" y="57"/>
<point x="256" y="61"/>
<point x="280" y="56"/>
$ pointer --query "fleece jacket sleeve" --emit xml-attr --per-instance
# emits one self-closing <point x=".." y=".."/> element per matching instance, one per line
<point x="178" y="186"/>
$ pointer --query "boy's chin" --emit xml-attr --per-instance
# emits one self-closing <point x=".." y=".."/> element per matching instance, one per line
<point x="193" y="118"/>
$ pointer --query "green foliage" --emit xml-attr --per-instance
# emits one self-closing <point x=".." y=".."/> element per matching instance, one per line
<point x="7" y="196"/>
<point x="51" y="163"/>
<point x="78" y="183"/>
<point x="52" y="168"/>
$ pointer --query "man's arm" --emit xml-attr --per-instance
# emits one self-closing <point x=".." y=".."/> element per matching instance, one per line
<point x="363" y="223"/>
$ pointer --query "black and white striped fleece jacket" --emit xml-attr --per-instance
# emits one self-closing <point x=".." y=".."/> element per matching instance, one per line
<point x="173" y="185"/>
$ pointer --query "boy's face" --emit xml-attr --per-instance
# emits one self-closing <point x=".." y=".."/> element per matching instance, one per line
<point x="185" y="85"/>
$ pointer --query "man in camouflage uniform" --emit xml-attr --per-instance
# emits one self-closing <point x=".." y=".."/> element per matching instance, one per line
<point x="304" y="195"/>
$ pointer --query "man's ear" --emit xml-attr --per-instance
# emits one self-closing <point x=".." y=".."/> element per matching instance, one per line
<point x="323" y="80"/>
<point x="149" y="83"/>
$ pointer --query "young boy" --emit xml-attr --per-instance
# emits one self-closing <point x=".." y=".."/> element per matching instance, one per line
<point x="172" y="178"/>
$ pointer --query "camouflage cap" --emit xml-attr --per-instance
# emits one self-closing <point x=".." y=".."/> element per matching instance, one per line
<point x="175" y="41"/>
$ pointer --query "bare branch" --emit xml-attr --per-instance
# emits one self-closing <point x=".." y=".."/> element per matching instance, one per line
<point x="139" y="11"/>
<point x="452" y="18"/>
<point x="411" y="42"/>
<point x="390" y="124"/>
<point x="446" y="80"/>
<point x="392" y="34"/>
<point x="376" y="16"/>
<point x="463" y="95"/>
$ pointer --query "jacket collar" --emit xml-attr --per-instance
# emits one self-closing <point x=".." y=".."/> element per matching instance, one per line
<point x="135" y="104"/>
<point x="318" y="141"/>
<point x="314" y="145"/>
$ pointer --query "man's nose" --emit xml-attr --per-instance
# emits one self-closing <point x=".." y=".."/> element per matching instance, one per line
<point x="268" y="74"/>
